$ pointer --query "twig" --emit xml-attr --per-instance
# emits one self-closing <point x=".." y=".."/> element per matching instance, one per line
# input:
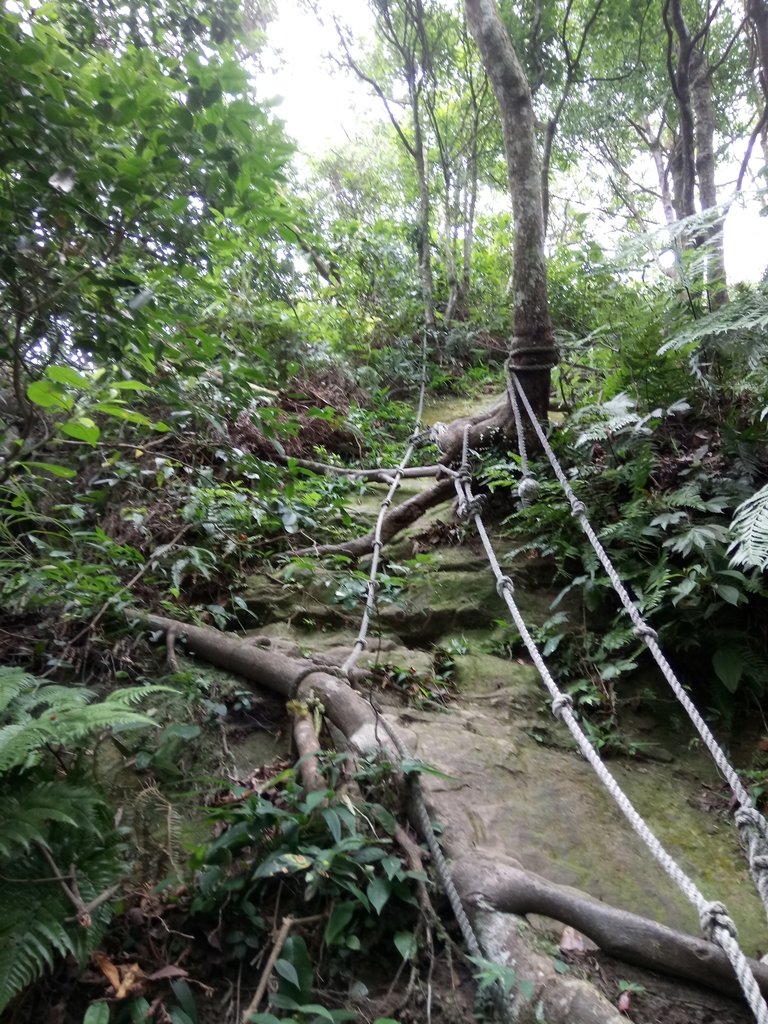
<point x="128" y="586"/>
<point x="170" y="648"/>
<point x="282" y="935"/>
<point x="69" y="885"/>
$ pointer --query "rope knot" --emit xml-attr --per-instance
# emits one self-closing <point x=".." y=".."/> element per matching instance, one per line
<point x="464" y="476"/>
<point x="361" y="642"/>
<point x="578" y="508"/>
<point x="528" y="489"/>
<point x="714" y="917"/>
<point x="750" y="818"/>
<point x="560" y="703"/>
<point x="504" y="585"/>
<point x="469" y="509"/>
<point x="645" y="632"/>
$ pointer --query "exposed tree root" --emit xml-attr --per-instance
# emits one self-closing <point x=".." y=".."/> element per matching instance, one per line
<point x="505" y="886"/>
<point x="492" y="424"/>
<point x="400" y="517"/>
<point x="492" y="889"/>
<point x="307" y="747"/>
<point x="291" y="678"/>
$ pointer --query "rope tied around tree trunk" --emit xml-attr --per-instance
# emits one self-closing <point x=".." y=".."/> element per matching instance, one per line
<point x="752" y="826"/>
<point x="716" y="923"/>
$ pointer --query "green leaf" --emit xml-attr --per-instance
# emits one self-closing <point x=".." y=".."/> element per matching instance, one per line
<point x="286" y="970"/>
<point x="48" y="395"/>
<point x="333" y="821"/>
<point x="97" y="1013"/>
<point x="63" y="471"/>
<point x="66" y="375"/>
<point x="729" y="664"/>
<point x="338" y="921"/>
<point x="406" y="945"/>
<point x="378" y="892"/>
<point x="731" y="595"/>
<point x="83" y="429"/>
<point x="179" y="1017"/>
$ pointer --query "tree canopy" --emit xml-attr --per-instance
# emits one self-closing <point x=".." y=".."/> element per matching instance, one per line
<point x="211" y="346"/>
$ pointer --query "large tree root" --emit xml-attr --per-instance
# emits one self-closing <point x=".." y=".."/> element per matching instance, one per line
<point x="505" y="886"/>
<point x="400" y="517"/>
<point x="493" y="423"/>
<point x="499" y="884"/>
<point x="291" y="678"/>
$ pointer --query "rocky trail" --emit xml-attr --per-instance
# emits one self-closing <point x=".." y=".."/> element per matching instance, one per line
<point x="509" y="790"/>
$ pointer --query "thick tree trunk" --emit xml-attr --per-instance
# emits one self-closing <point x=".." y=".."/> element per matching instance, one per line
<point x="533" y="350"/>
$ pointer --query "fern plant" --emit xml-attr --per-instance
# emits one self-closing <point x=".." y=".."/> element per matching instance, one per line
<point x="54" y="815"/>
<point x="750" y="532"/>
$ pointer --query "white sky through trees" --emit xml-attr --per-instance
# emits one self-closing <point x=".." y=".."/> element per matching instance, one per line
<point x="324" y="107"/>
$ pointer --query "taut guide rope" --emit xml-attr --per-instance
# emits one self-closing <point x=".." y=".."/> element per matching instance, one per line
<point x="715" y="921"/>
<point x="417" y="436"/>
<point x="752" y="826"/>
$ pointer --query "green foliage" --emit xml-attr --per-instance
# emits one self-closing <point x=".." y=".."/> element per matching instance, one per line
<point x="750" y="532"/>
<point x="38" y="716"/>
<point x="54" y="815"/>
<point x="670" y="547"/>
<point x="310" y="851"/>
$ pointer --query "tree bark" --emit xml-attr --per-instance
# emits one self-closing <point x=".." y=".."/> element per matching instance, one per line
<point x="533" y="352"/>
<point x="637" y="940"/>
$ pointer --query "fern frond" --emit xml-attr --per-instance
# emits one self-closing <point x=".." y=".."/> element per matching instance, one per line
<point x="746" y="315"/>
<point x="22" y="744"/>
<point x="14" y="682"/>
<point x="31" y="806"/>
<point x="749" y="530"/>
<point x="37" y="715"/>
<point x="33" y="928"/>
<point x="133" y="694"/>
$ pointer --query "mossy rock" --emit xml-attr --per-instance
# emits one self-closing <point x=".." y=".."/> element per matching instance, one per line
<point x="438" y="603"/>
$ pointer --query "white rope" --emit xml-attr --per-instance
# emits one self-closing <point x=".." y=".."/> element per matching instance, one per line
<point x="372" y="585"/>
<point x="422" y="812"/>
<point x="716" y="924"/>
<point x="752" y="826"/>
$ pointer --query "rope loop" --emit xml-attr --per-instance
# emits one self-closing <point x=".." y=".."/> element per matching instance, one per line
<point x="310" y="670"/>
<point x="560" y="703"/>
<point x="578" y="508"/>
<point x="504" y="585"/>
<point x="464" y="476"/>
<point x="714" y="917"/>
<point x="361" y="642"/>
<point x="528" y="489"/>
<point x="645" y="632"/>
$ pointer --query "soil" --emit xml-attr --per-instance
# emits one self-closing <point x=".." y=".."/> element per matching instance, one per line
<point x="658" y="1000"/>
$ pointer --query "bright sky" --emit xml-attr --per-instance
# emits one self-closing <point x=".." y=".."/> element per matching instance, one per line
<point x="324" y="107"/>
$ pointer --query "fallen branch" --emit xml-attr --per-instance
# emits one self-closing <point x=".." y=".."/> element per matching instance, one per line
<point x="307" y="747"/>
<point x="626" y="936"/>
<point x="291" y="678"/>
<point x="400" y="517"/>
